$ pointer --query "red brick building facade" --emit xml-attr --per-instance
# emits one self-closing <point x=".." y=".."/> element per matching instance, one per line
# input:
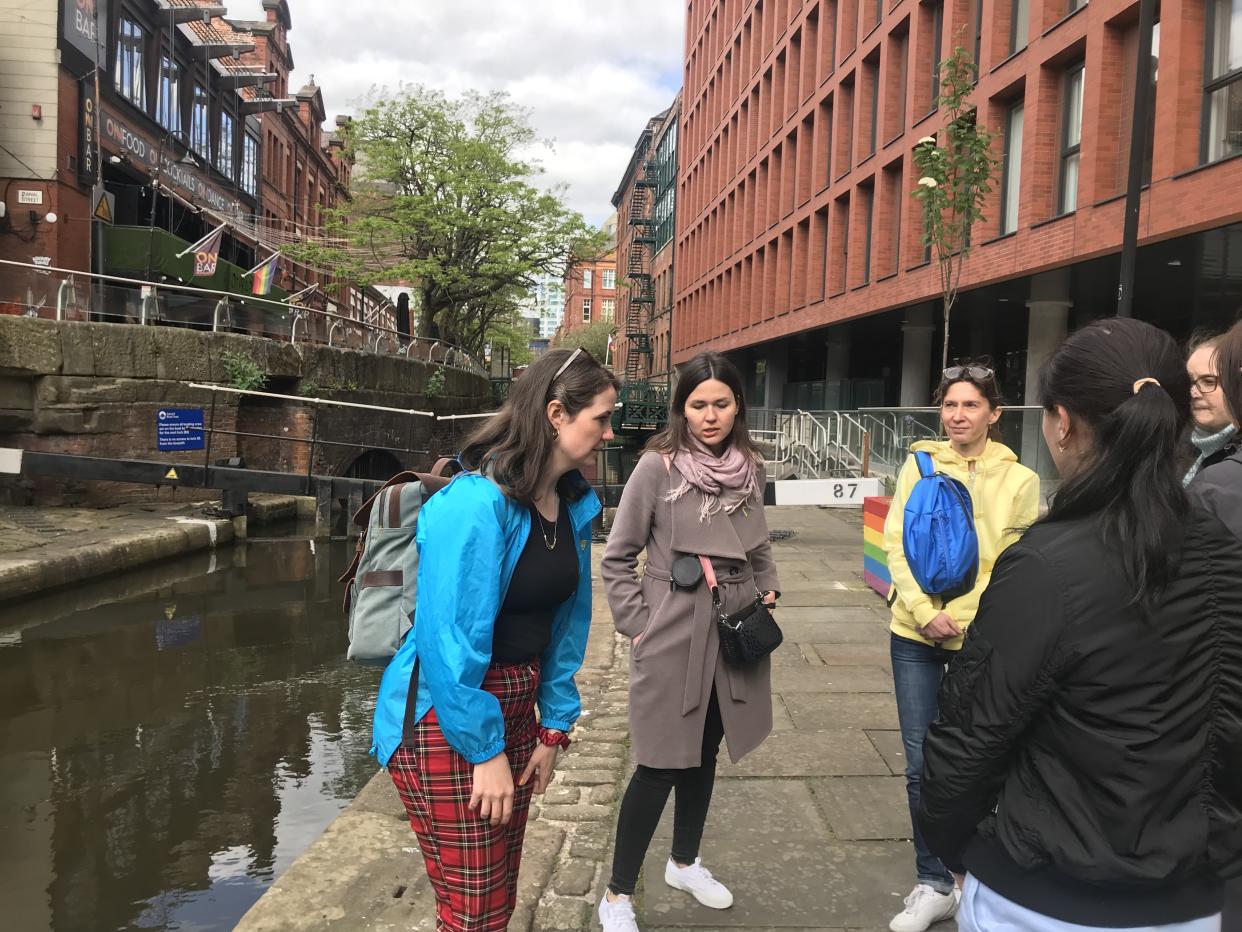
<point x="799" y="243"/>
<point x="590" y="293"/>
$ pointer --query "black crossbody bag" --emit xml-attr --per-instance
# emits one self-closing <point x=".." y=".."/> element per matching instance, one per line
<point x="746" y="636"/>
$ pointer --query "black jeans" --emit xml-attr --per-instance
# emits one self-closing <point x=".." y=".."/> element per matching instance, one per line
<point x="644" y="802"/>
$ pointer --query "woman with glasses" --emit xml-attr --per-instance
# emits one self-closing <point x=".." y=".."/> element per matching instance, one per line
<point x="927" y="630"/>
<point x="1084" y="770"/>
<point x="504" y="607"/>
<point x="1215" y="435"/>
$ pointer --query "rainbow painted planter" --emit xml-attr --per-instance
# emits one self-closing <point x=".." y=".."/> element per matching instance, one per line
<point x="875" y="563"/>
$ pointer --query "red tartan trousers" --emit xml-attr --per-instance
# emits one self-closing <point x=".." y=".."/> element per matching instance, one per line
<point x="473" y="866"/>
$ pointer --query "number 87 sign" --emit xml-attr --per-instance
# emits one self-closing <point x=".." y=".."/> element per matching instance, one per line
<point x="836" y="493"/>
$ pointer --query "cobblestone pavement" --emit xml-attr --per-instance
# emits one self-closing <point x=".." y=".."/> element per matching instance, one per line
<point x="809" y="831"/>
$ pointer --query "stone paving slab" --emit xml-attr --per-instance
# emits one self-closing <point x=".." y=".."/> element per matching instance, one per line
<point x="890" y="746"/>
<point x="864" y="808"/>
<point x="811" y="754"/>
<point x="818" y="712"/>
<point x="752" y="810"/>
<point x="797" y="881"/>
<point x="834" y="679"/>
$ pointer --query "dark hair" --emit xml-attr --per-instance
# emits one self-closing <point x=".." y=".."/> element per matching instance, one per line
<point x="516" y="443"/>
<point x="690" y="375"/>
<point x="988" y="387"/>
<point x="1131" y="480"/>
<point x="1229" y="369"/>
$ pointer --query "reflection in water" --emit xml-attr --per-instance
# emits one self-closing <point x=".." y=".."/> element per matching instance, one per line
<point x="172" y="739"/>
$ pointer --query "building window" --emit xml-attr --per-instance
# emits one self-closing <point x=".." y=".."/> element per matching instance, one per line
<point x="937" y="40"/>
<point x="224" y="145"/>
<point x="1075" y="5"/>
<point x="869" y="215"/>
<point x="609" y="309"/>
<point x="1223" y="87"/>
<point x="1019" y="25"/>
<point x="586" y="278"/>
<point x="168" y="108"/>
<point x="873" y="87"/>
<point x="610" y="278"/>
<point x="1011" y="170"/>
<point x="130" y="73"/>
<point x="586" y="310"/>
<point x="199" y="132"/>
<point x="1071" y="140"/>
<point x="250" y="164"/>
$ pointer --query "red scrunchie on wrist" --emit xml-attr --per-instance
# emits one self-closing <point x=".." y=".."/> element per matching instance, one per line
<point x="553" y="738"/>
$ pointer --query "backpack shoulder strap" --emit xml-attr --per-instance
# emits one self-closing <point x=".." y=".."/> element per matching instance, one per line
<point x="927" y="468"/>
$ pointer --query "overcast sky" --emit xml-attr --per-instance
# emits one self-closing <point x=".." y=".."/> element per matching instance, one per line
<point x="592" y="72"/>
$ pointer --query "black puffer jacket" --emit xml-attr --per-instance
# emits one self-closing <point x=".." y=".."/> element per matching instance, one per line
<point x="1218" y="488"/>
<point x="1087" y="763"/>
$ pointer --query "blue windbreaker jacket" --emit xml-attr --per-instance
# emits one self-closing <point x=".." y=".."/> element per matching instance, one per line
<point x="476" y="535"/>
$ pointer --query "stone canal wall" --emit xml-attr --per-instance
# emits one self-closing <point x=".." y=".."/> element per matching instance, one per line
<point x="95" y="389"/>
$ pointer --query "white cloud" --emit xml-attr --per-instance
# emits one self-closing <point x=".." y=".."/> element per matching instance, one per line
<point x="591" y="73"/>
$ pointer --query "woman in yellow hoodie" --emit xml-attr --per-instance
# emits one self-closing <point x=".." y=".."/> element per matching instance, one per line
<point x="925" y="631"/>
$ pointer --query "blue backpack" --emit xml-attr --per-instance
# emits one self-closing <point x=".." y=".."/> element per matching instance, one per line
<point x="939" y="536"/>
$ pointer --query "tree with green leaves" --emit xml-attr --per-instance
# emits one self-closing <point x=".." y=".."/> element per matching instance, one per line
<point x="955" y="178"/>
<point x="444" y="197"/>
<point x="592" y="337"/>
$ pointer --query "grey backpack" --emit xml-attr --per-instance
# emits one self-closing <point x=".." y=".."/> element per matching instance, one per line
<point x="381" y="584"/>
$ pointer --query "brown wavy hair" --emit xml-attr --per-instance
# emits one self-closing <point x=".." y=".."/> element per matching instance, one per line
<point x="514" y="446"/>
<point x="690" y="375"/>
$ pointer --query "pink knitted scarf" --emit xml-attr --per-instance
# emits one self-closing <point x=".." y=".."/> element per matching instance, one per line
<point x="726" y="482"/>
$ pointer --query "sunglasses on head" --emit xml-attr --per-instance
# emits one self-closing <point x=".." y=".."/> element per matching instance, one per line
<point x="978" y="373"/>
<point x="580" y="351"/>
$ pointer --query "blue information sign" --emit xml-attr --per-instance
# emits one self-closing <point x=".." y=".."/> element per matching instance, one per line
<point x="179" y="428"/>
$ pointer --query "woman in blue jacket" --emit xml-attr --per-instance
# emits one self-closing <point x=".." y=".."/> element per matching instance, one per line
<point x="504" y="607"/>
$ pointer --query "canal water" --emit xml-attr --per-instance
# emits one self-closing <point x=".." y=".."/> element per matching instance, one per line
<point x="173" y="738"/>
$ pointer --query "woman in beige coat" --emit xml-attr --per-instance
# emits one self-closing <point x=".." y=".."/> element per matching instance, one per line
<point x="696" y="491"/>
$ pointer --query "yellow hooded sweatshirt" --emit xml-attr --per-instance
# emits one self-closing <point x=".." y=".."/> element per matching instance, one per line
<point x="1006" y="497"/>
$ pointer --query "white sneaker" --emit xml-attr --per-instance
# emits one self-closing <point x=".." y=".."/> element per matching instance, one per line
<point x="925" y="907"/>
<point x="698" y="881"/>
<point x="617" y="915"/>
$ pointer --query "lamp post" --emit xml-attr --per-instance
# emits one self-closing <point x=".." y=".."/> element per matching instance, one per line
<point x="1138" y="145"/>
<point x="186" y="159"/>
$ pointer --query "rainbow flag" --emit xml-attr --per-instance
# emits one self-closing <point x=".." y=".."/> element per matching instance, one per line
<point x="875" y="560"/>
<point x="264" y="275"/>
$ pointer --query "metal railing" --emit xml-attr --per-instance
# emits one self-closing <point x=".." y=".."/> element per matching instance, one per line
<point x="65" y="294"/>
<point x="875" y="441"/>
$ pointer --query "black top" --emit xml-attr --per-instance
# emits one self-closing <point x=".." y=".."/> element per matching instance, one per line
<point x="542" y="580"/>
<point x="1085" y="763"/>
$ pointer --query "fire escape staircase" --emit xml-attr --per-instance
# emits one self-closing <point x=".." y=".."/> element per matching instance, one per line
<point x="644" y="404"/>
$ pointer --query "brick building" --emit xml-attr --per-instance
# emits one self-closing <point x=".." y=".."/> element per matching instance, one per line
<point x="590" y="290"/>
<point x="180" y="118"/>
<point x="799" y="244"/>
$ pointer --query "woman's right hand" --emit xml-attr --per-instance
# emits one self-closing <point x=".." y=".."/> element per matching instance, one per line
<point x="492" y="792"/>
<point x="940" y="628"/>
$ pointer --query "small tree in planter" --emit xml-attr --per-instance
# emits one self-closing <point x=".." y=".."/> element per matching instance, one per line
<point x="954" y="179"/>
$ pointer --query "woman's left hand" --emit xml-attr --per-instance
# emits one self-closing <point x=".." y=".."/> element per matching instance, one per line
<point x="541" y="765"/>
<point x="769" y="599"/>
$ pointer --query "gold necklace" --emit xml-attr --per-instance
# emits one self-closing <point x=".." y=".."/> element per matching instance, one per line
<point x="556" y="527"/>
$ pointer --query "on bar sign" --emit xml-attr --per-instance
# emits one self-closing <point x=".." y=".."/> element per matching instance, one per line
<point x="88" y="132"/>
<point x="179" y="428"/>
<point x="82" y="26"/>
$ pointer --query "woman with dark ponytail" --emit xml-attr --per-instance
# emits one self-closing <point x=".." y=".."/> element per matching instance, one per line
<point x="1084" y="772"/>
